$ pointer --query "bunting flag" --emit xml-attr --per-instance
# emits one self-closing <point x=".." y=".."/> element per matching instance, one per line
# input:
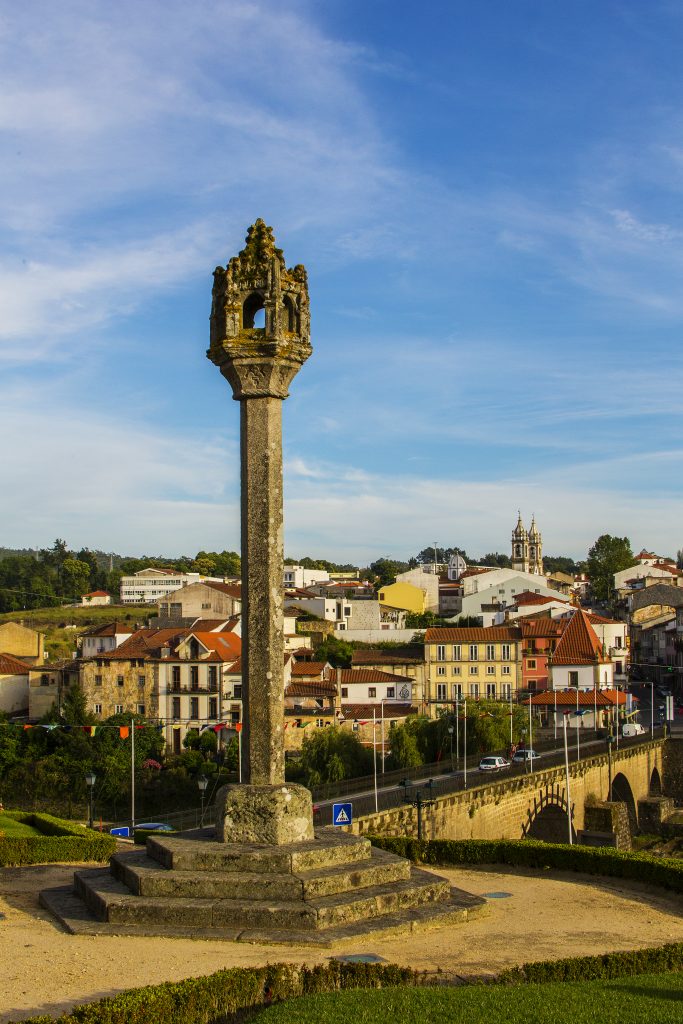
<point x="124" y="732"/>
<point x="304" y="725"/>
<point x="27" y="727"/>
<point x="50" y="726"/>
<point x="90" y="729"/>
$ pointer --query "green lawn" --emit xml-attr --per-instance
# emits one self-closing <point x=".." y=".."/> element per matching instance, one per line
<point x="10" y="827"/>
<point x="650" y="998"/>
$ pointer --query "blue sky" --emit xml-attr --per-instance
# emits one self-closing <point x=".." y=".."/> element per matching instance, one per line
<point x="489" y="202"/>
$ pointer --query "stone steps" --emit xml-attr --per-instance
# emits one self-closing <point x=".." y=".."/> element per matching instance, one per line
<point x="144" y="877"/>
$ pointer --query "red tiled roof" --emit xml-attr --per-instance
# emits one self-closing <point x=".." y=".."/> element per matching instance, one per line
<point x="236" y="668"/>
<point x="478" y="634"/>
<point x="308" y="668"/>
<point x="364" y="711"/>
<point x="97" y="593"/>
<point x="231" y="589"/>
<point x="579" y="644"/>
<point x="586" y="698"/>
<point x="215" y="625"/>
<point x="368" y="675"/>
<point x="541" y="627"/>
<point x="227" y="645"/>
<point x="11" y="666"/>
<point x="314" y="689"/>
<point x="528" y="598"/>
<point x="600" y="620"/>
<point x="109" y="629"/>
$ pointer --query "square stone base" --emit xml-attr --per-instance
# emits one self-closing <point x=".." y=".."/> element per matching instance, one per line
<point x="264" y="814"/>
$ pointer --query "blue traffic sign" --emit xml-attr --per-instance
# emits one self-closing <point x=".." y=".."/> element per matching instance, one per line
<point x="123" y="831"/>
<point x="342" y="814"/>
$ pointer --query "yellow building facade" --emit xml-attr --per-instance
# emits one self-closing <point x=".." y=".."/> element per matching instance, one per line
<point x="471" y="663"/>
<point x="404" y="596"/>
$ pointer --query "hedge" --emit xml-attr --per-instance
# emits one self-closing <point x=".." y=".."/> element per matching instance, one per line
<point x="140" y="835"/>
<point x="60" y="841"/>
<point x="227" y="994"/>
<point x="654" y="960"/>
<point x="590" y="860"/>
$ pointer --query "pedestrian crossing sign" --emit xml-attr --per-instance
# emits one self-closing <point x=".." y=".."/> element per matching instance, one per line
<point x="342" y="814"/>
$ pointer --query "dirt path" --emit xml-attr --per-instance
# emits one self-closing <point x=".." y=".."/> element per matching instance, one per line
<point x="548" y="915"/>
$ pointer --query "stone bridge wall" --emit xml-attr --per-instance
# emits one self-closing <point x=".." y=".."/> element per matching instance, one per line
<point x="506" y="808"/>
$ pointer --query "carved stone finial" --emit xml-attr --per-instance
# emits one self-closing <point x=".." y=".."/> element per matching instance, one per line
<point x="260" y="361"/>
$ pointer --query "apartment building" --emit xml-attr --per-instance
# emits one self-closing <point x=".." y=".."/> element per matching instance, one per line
<point x="471" y="662"/>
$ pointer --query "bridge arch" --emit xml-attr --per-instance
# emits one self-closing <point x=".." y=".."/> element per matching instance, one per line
<point x="547" y="819"/>
<point x="622" y="792"/>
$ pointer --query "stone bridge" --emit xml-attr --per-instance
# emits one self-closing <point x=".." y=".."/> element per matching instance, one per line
<point x="534" y="805"/>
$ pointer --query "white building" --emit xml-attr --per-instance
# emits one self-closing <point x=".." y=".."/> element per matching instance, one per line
<point x="102" y="639"/>
<point x="151" y="585"/>
<point x="298" y="577"/>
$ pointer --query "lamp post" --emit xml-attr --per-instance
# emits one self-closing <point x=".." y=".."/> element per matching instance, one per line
<point x="566" y="773"/>
<point x="202" y="782"/>
<point x="90" y="778"/>
<point x="609" y="766"/>
<point x="450" y="733"/>
<point x="418" y="802"/>
<point x="524" y="748"/>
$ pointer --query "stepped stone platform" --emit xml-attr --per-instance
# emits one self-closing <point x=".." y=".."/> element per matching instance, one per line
<point x="334" y="887"/>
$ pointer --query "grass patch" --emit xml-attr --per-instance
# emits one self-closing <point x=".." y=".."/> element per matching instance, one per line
<point x="11" y="827"/>
<point x="655" y="998"/>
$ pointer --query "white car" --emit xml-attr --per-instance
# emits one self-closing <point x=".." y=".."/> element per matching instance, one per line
<point x="493" y="764"/>
<point x="521" y="756"/>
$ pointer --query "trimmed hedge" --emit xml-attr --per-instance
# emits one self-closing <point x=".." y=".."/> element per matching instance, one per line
<point x="655" y="960"/>
<point x="140" y="835"/>
<point x="60" y="841"/>
<point x="227" y="994"/>
<point x="532" y="853"/>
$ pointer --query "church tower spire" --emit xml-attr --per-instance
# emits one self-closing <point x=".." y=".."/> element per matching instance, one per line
<point x="520" y="546"/>
<point x="535" y="549"/>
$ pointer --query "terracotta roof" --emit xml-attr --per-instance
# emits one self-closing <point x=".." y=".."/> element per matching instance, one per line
<point x="232" y="589"/>
<point x="541" y="627"/>
<point x="528" y="598"/>
<point x="579" y="644"/>
<point x="215" y="625"/>
<point x="368" y="675"/>
<point x="600" y="620"/>
<point x="403" y="656"/>
<point x="586" y="698"/>
<point x="364" y="711"/>
<point x="308" y="668"/>
<point x="314" y="689"/>
<point x="97" y="593"/>
<point x="109" y="629"/>
<point x="11" y="666"/>
<point x="227" y="645"/>
<point x="473" y="571"/>
<point x="479" y="634"/>
<point x="236" y="668"/>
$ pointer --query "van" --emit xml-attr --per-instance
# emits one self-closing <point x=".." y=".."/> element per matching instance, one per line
<point x="632" y="729"/>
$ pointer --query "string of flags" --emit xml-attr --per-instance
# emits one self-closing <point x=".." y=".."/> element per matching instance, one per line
<point x="123" y="730"/>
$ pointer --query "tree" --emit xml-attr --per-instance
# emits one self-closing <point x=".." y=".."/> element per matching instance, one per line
<point x="75" y="577"/>
<point x="607" y="556"/>
<point x="332" y="754"/>
<point x="339" y="653"/>
<point x="385" y="570"/>
<point x="403" y="749"/>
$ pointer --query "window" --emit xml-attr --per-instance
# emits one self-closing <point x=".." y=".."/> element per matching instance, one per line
<point x="347" y="611"/>
<point x="474" y="670"/>
<point x="505" y="652"/>
<point x="490" y="670"/>
<point x="213" y="707"/>
<point x="98" y="709"/>
<point x="118" y="709"/>
<point x="457" y="652"/>
<point x="194" y="707"/>
<point x="573" y="678"/>
<point x="98" y="680"/>
<point x="490" y="652"/>
<point x="141" y="709"/>
<point x="372" y="691"/>
<point x="440" y="652"/>
<point x="441" y="691"/>
<point x="491" y="691"/>
<point x="237" y="691"/>
<point x="506" y="691"/>
<point x="344" y="691"/>
<point x="391" y="691"/>
<point x="119" y="680"/>
<point x="194" y="677"/>
<point x="175" y="675"/>
<point x="456" y="690"/>
<point x="531" y="663"/>
<point x="176" y="707"/>
<point x="441" y="670"/>
<point x="506" y="670"/>
<point x="206" y="605"/>
<point x="474" y="652"/>
<point x="141" y="682"/>
<point x="474" y="691"/>
<point x="213" y="677"/>
<point x="341" y="625"/>
<point x="456" y="670"/>
<point x="319" y="723"/>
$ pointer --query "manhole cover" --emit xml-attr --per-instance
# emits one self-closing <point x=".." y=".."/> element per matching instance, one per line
<point x="360" y="958"/>
<point x="497" y="895"/>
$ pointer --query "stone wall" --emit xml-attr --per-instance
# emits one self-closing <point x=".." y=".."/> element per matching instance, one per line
<point x="672" y="778"/>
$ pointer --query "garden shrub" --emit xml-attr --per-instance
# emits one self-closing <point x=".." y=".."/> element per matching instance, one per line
<point x="59" y="841"/>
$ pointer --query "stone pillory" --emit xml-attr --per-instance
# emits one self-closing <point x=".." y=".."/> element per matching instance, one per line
<point x="260" y="364"/>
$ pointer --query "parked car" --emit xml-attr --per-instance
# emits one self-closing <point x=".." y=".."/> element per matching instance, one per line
<point x="493" y="764"/>
<point x="522" y="756"/>
<point x="155" y="826"/>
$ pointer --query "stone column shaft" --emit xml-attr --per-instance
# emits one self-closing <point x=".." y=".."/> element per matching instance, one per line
<point x="262" y="591"/>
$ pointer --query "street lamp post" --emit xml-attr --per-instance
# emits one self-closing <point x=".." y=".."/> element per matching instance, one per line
<point x="90" y="778"/>
<point x="202" y="782"/>
<point x="418" y="801"/>
<point x="609" y="767"/>
<point x="450" y="733"/>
